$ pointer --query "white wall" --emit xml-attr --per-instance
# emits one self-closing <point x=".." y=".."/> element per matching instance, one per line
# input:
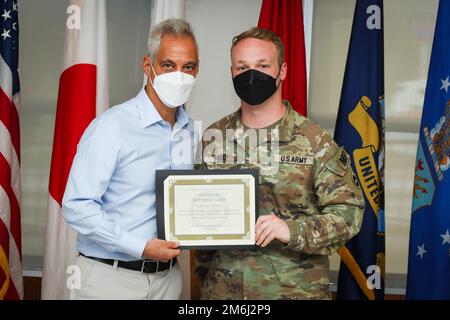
<point x="215" y="23"/>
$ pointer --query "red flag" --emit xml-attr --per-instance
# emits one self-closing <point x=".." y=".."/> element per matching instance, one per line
<point x="83" y="94"/>
<point x="285" y="18"/>
<point x="11" y="281"/>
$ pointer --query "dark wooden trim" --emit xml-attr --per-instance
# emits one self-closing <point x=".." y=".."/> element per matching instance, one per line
<point x="32" y="288"/>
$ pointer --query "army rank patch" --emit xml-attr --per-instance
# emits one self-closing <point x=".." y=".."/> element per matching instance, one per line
<point x="295" y="159"/>
<point x="355" y="180"/>
<point x="344" y="160"/>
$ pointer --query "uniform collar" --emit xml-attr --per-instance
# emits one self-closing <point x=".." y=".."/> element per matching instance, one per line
<point x="285" y="125"/>
<point x="149" y="115"/>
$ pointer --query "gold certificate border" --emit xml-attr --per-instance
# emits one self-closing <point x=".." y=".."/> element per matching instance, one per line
<point x="172" y="182"/>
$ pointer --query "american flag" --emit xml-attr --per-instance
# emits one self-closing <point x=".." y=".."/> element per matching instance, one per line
<point x="11" y="286"/>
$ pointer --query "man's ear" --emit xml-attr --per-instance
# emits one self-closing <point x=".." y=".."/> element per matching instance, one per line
<point x="283" y="71"/>
<point x="147" y="65"/>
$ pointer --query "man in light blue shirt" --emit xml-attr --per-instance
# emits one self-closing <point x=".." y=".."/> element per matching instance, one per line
<point x="110" y="194"/>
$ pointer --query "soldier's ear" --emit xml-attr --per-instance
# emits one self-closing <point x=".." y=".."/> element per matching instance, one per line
<point x="283" y="71"/>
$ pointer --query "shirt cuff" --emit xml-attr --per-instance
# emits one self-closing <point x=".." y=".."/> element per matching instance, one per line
<point x="132" y="245"/>
<point x="297" y="235"/>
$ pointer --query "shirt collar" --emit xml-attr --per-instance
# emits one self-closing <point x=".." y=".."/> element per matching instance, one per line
<point x="182" y="116"/>
<point x="149" y="115"/>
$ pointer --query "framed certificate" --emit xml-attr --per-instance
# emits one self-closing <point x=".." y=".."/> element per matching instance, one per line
<point x="207" y="209"/>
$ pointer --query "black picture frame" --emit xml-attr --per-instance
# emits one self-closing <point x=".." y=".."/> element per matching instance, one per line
<point x="161" y="176"/>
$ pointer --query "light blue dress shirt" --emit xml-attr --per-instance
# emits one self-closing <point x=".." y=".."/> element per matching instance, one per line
<point x="110" y="194"/>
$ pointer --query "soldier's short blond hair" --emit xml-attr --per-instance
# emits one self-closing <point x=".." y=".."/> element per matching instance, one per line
<point x="262" y="34"/>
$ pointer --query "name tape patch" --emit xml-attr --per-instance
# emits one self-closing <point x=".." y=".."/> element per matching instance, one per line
<point x="293" y="159"/>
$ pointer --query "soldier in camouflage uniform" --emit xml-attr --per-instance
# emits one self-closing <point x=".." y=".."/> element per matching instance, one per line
<point x="310" y="200"/>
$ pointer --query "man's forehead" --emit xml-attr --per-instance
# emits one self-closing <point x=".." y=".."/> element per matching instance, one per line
<point x="253" y="56"/>
<point x="173" y="49"/>
<point x="254" y="50"/>
<point x="169" y="42"/>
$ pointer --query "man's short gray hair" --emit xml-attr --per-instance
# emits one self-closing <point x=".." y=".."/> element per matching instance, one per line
<point x="175" y="27"/>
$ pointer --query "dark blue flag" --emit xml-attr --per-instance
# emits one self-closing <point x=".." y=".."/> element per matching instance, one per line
<point x="429" y="245"/>
<point x="360" y="130"/>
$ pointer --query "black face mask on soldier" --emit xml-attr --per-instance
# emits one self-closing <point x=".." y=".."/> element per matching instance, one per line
<point x="254" y="87"/>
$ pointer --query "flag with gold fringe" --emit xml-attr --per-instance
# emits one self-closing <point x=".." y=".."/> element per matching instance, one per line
<point x="429" y="243"/>
<point x="360" y="130"/>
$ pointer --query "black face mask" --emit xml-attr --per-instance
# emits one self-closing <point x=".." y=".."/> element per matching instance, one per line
<point x="254" y="87"/>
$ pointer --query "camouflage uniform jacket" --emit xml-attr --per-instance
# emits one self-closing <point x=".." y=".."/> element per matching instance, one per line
<point x="316" y="193"/>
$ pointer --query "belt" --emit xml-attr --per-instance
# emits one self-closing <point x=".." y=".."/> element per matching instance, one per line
<point x="145" y="266"/>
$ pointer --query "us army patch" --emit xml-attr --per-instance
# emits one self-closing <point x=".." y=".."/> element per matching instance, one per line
<point x="295" y="159"/>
